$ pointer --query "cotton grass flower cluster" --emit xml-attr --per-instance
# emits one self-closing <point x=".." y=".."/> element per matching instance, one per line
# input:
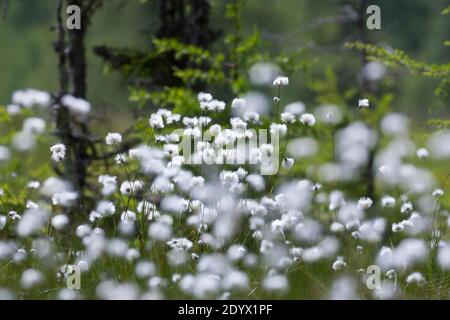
<point x="167" y="225"/>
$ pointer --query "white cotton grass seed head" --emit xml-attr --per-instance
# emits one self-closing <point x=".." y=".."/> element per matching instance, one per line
<point x="77" y="106"/>
<point x="2" y="221"/>
<point x="23" y="141"/>
<point x="160" y="231"/>
<point x="281" y="81"/>
<point x="388" y="202"/>
<point x="145" y="269"/>
<point x="263" y="73"/>
<point x="13" y="109"/>
<point x="31" y="221"/>
<point x="113" y="138"/>
<point x="438" y="145"/>
<point x="34" y="125"/>
<point x="60" y="221"/>
<point x="308" y="119"/>
<point x="406" y="207"/>
<point x="204" y="97"/>
<point x="365" y="203"/>
<point x="31" y="278"/>
<point x="363" y="103"/>
<point x="276" y="283"/>
<point x="5" y="154"/>
<point x="58" y="152"/>
<point x="339" y="264"/>
<point x="288" y="117"/>
<point x="295" y="108"/>
<point x="438" y="193"/>
<point x="288" y="163"/>
<point x="443" y="256"/>
<point x="422" y="153"/>
<point x="238" y="103"/>
<point x="416" y="278"/>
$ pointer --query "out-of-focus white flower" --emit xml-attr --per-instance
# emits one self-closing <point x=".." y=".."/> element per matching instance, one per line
<point x="4" y="153"/>
<point x="180" y="244"/>
<point x="406" y="207"/>
<point x="31" y="97"/>
<point x="438" y="193"/>
<point x="160" y="231"/>
<point x="363" y="103"/>
<point x="337" y="227"/>
<point x="77" y="106"/>
<point x="34" y="125"/>
<point x="281" y="81"/>
<point x="288" y="163"/>
<point x="398" y="227"/>
<point x="2" y="221"/>
<point x="64" y="198"/>
<point x="276" y="283"/>
<point x="58" y="152"/>
<point x="443" y="256"/>
<point x="373" y="71"/>
<point x="439" y="146"/>
<point x="288" y="117"/>
<point x="262" y="73"/>
<point x="109" y="184"/>
<point x="416" y="278"/>
<point x="113" y="138"/>
<point x="24" y="141"/>
<point x="308" y="119"/>
<point x="13" y="109"/>
<point x="395" y="124"/>
<point x="387" y="202"/>
<point x="213" y="105"/>
<point x="54" y="185"/>
<point x="296" y="108"/>
<point x="60" y="221"/>
<point x="330" y="114"/>
<point x="280" y="129"/>
<point x="238" y="103"/>
<point x="204" y="97"/>
<point x="130" y="187"/>
<point x="31" y="278"/>
<point x="339" y="264"/>
<point x="31" y="221"/>
<point x="145" y="269"/>
<point x="422" y="153"/>
<point x="156" y="121"/>
<point x="365" y="203"/>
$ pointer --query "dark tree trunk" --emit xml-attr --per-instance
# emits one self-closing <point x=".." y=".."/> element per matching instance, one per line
<point x="187" y="21"/>
<point x="74" y="133"/>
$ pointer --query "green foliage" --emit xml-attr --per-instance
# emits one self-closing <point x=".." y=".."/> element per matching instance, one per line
<point x="328" y="91"/>
<point x="399" y="59"/>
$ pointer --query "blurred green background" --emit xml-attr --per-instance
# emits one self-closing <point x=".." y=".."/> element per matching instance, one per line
<point x="415" y="26"/>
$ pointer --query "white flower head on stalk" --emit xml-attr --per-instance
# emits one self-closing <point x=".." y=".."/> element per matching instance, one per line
<point x="113" y="138"/>
<point x="204" y="97"/>
<point x="288" y="117"/>
<point x="422" y="153"/>
<point x="438" y="193"/>
<point x="387" y="202"/>
<point x="277" y="128"/>
<point x="363" y="103"/>
<point x="238" y="103"/>
<point x="365" y="203"/>
<point x="58" y="152"/>
<point x="77" y="106"/>
<point x="281" y="81"/>
<point x="156" y="121"/>
<point x="308" y="119"/>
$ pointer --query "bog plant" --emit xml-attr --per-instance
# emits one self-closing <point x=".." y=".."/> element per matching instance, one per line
<point x="164" y="226"/>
